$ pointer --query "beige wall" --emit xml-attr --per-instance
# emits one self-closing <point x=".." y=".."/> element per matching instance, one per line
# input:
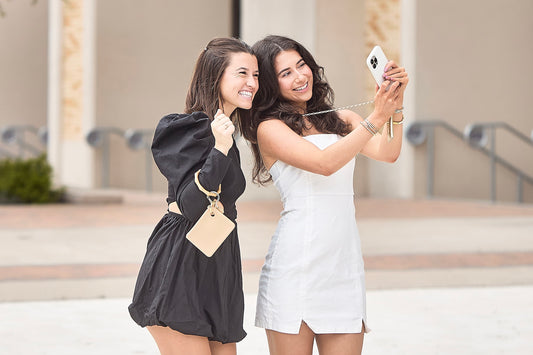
<point x="472" y="67"/>
<point x="292" y="18"/>
<point x="23" y="66"/>
<point x="145" y="57"/>
<point x="340" y="48"/>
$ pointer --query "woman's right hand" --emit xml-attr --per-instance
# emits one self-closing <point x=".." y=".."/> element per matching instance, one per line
<point x="386" y="101"/>
<point x="223" y="129"/>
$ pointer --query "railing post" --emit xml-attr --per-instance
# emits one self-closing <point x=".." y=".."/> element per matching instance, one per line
<point x="105" y="161"/>
<point x="519" y="188"/>
<point x="430" y="160"/>
<point x="477" y="136"/>
<point x="492" y="164"/>
<point x="99" y="137"/>
<point x="138" y="139"/>
<point x="148" y="169"/>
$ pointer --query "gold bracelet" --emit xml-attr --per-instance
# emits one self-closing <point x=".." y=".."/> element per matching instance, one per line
<point x="203" y="189"/>
<point x="398" y="122"/>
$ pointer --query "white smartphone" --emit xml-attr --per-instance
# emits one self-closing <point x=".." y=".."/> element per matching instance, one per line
<point x="376" y="62"/>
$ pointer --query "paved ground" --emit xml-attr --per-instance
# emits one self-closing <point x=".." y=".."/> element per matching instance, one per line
<point x="443" y="276"/>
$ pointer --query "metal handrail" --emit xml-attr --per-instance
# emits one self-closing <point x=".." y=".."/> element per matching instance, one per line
<point x="416" y="134"/>
<point x="138" y="139"/>
<point x="14" y="135"/>
<point x="480" y="129"/>
<point x="99" y="137"/>
<point x="420" y="131"/>
<point x="476" y="135"/>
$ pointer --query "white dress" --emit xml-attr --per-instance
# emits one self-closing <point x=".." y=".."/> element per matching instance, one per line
<point x="314" y="269"/>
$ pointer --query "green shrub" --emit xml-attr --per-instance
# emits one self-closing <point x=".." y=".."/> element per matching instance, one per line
<point x="27" y="181"/>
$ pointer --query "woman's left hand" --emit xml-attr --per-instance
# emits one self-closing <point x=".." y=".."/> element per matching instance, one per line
<point x="394" y="72"/>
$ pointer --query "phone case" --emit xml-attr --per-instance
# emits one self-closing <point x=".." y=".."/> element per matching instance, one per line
<point x="376" y="62"/>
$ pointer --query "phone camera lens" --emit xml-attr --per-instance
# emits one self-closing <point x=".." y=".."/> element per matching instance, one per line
<point x="374" y="62"/>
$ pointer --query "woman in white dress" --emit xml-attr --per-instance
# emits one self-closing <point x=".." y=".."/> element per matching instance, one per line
<point x="312" y="283"/>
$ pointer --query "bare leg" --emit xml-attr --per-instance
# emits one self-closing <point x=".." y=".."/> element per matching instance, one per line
<point x="171" y="342"/>
<point x="218" y="348"/>
<point x="340" y="344"/>
<point x="291" y="344"/>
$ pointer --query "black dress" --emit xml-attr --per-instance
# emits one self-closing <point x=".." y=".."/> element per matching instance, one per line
<point x="178" y="286"/>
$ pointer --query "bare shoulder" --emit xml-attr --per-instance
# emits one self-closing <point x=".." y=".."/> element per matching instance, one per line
<point x="349" y="117"/>
<point x="272" y="126"/>
<point x="271" y="123"/>
<point x="276" y="140"/>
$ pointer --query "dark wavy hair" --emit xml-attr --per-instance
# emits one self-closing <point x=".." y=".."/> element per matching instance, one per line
<point x="269" y="104"/>
<point x="204" y="90"/>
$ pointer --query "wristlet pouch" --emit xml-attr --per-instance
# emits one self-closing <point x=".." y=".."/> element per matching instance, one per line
<point x="213" y="227"/>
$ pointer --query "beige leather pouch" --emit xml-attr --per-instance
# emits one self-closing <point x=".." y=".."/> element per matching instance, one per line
<point x="211" y="230"/>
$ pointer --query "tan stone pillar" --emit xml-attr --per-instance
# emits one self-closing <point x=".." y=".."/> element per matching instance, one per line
<point x="386" y="27"/>
<point x="71" y="88"/>
<point x="383" y="29"/>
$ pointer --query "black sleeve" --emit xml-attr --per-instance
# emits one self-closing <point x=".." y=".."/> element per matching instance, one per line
<point x="183" y="144"/>
<point x="192" y="202"/>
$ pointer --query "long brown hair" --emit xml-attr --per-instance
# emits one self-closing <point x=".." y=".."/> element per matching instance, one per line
<point x="269" y="104"/>
<point x="204" y="90"/>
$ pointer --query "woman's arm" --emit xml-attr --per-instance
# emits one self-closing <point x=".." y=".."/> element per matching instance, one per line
<point x="191" y="201"/>
<point x="380" y="147"/>
<point x="278" y="142"/>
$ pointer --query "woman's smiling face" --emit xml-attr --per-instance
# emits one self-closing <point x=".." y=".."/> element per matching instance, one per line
<point x="295" y="78"/>
<point x="239" y="83"/>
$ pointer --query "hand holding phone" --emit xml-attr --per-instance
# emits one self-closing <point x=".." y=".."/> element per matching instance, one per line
<point x="376" y="62"/>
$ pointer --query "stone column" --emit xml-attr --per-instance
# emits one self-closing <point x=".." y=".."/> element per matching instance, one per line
<point x="387" y="27"/>
<point x="71" y="91"/>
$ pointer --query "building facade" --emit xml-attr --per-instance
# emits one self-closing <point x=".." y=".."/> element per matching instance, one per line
<point x="120" y="65"/>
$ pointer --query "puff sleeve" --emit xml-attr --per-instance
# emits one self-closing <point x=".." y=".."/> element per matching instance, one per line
<point x="183" y="144"/>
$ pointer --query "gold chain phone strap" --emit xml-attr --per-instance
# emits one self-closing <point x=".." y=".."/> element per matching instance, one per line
<point x="213" y="227"/>
<point x="391" y="122"/>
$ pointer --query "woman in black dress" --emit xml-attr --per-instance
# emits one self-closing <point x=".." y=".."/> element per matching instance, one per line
<point x="191" y="303"/>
